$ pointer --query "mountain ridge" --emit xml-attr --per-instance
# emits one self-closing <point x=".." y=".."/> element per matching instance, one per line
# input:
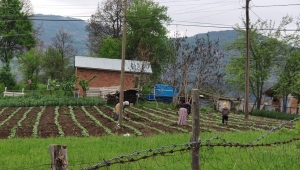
<point x="76" y="28"/>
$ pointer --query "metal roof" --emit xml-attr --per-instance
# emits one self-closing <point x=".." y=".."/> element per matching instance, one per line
<point x="112" y="64"/>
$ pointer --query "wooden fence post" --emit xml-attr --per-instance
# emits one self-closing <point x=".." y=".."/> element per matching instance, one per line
<point x="59" y="157"/>
<point x="195" y="152"/>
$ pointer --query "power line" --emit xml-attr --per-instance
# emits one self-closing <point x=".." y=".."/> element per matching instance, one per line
<point x="263" y="6"/>
<point x="195" y="6"/>
<point x="255" y="14"/>
<point x="214" y="14"/>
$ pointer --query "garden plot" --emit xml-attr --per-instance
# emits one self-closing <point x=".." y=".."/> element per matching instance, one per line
<point x="84" y="121"/>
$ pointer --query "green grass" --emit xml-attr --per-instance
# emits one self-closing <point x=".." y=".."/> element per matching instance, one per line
<point x="32" y="152"/>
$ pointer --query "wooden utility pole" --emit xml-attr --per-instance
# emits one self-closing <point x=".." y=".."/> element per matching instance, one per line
<point x="121" y="99"/>
<point x="195" y="152"/>
<point x="247" y="61"/>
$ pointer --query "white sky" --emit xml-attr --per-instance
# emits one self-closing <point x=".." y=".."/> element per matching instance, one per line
<point x="189" y="17"/>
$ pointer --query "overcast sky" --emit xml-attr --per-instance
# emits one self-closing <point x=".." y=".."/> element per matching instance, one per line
<point x="189" y="17"/>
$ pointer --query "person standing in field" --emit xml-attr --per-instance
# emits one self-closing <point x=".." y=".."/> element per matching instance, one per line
<point x="184" y="111"/>
<point x="225" y="113"/>
<point x="118" y="109"/>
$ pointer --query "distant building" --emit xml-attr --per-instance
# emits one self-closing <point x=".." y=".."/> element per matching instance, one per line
<point x="108" y="71"/>
<point x="271" y="101"/>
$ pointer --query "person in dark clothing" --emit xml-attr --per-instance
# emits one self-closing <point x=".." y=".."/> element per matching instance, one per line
<point x="184" y="111"/>
<point x="225" y="113"/>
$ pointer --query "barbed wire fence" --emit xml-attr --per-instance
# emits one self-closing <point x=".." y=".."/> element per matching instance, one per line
<point x="216" y="153"/>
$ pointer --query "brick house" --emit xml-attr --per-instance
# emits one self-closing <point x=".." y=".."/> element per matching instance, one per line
<point x="271" y="101"/>
<point x="108" y="71"/>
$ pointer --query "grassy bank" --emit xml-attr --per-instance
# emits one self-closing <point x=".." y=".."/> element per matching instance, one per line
<point x="84" y="152"/>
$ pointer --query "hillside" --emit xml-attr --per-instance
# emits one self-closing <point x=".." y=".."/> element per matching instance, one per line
<point x="224" y="37"/>
<point x="76" y="28"/>
<point x="51" y="25"/>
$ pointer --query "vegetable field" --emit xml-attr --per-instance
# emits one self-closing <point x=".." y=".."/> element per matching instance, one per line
<point x="83" y="121"/>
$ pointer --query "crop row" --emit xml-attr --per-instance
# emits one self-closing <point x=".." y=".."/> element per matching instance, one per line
<point x="37" y="101"/>
<point x="149" y="119"/>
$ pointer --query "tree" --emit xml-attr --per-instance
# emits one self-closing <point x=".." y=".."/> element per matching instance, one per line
<point x="27" y="7"/>
<point x="52" y="64"/>
<point x="107" y="21"/>
<point x="57" y="60"/>
<point x="288" y="82"/>
<point x="265" y="48"/>
<point x="147" y="35"/>
<point x="63" y="43"/>
<point x="196" y="65"/>
<point x="111" y="48"/>
<point x="30" y="66"/>
<point x="85" y="84"/>
<point x="6" y="77"/>
<point x="15" y="30"/>
<point x="68" y="86"/>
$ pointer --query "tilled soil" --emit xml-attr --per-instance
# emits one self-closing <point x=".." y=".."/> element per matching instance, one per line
<point x="99" y="121"/>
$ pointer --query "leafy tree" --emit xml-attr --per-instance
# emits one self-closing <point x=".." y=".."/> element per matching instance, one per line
<point x="296" y="89"/>
<point x="69" y="86"/>
<point x="288" y="82"/>
<point x="30" y="66"/>
<point x="51" y="64"/>
<point x="147" y="35"/>
<point x="53" y="85"/>
<point x="264" y="49"/>
<point x="107" y="21"/>
<point x="111" y="48"/>
<point x="85" y="84"/>
<point x="58" y="58"/>
<point x="6" y="77"/>
<point x="15" y="30"/>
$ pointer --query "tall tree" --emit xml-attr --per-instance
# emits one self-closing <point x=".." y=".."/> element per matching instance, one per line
<point x="52" y="64"/>
<point x="107" y="21"/>
<point x="63" y="43"/>
<point x="15" y="30"/>
<point x="196" y="65"/>
<point x="265" y="48"/>
<point x="288" y="77"/>
<point x="30" y="66"/>
<point x="111" y="48"/>
<point x="209" y="65"/>
<point x="6" y="77"/>
<point x="147" y="34"/>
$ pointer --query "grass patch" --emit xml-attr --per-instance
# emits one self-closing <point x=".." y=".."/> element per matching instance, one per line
<point x="31" y="152"/>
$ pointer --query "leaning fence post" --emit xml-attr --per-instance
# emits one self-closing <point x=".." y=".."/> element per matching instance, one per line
<point x="59" y="157"/>
<point x="195" y="152"/>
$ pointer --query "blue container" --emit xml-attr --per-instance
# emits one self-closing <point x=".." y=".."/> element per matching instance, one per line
<point x="162" y="92"/>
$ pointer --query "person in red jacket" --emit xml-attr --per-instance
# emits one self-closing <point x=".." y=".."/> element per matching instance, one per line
<point x="225" y="113"/>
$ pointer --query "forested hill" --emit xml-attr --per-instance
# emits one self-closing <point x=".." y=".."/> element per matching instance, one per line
<point x="76" y="28"/>
<point x="224" y="37"/>
<point x="51" y="25"/>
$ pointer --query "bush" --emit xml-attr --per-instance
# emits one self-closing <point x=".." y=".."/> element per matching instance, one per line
<point x="274" y="114"/>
